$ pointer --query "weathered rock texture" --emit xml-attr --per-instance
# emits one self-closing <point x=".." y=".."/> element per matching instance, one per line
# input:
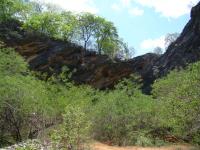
<point x="185" y="50"/>
<point x="47" y="55"/>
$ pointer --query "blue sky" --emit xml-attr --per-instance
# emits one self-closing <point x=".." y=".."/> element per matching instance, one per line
<point x="142" y="23"/>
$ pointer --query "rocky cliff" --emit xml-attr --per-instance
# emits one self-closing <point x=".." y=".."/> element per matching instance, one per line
<point x="185" y="50"/>
<point x="49" y="55"/>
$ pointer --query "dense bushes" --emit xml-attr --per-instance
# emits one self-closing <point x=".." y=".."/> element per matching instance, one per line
<point x="21" y="103"/>
<point x="24" y="103"/>
<point x="178" y="95"/>
<point x="125" y="116"/>
<point x="29" y="105"/>
<point x="122" y="116"/>
<point x="11" y="63"/>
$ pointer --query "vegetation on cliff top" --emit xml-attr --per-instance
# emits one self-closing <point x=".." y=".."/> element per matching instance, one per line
<point x="86" y="29"/>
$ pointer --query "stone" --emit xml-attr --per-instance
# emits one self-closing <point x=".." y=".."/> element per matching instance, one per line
<point x="49" y="56"/>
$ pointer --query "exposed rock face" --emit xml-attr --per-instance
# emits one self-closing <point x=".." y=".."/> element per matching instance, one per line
<point x="185" y="50"/>
<point x="48" y="55"/>
<point x="44" y="54"/>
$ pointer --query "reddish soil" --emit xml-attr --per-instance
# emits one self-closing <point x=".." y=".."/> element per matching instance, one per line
<point x="100" y="146"/>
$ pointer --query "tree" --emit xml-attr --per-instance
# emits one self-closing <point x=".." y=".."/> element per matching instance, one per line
<point x="170" y="38"/>
<point x="158" y="51"/>
<point x="100" y="32"/>
<point x="87" y="26"/>
<point x="68" y="26"/>
<point x="125" y="51"/>
<point x="105" y="32"/>
<point x="46" y="23"/>
<point x="110" y="47"/>
<point x="53" y="8"/>
<point x="37" y="6"/>
<point x="10" y="8"/>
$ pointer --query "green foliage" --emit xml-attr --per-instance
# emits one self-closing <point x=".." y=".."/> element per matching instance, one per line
<point x="31" y="145"/>
<point x="74" y="132"/>
<point x="125" y="51"/>
<point x="23" y="106"/>
<point x="24" y="103"/>
<point x="11" y="9"/>
<point x="58" y="25"/>
<point x="87" y="25"/>
<point x="120" y="116"/>
<point x="68" y="26"/>
<point x="178" y="96"/>
<point x="87" y="29"/>
<point x="143" y="140"/>
<point x="46" y="23"/>
<point x="11" y="63"/>
<point x="26" y="148"/>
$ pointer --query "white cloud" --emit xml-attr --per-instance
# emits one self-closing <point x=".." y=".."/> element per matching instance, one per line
<point x="169" y="8"/>
<point x="75" y="5"/>
<point x="150" y="44"/>
<point x="115" y="7"/>
<point x="136" y="11"/>
<point x="125" y="3"/>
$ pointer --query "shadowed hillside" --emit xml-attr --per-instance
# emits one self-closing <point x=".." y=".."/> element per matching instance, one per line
<point x="48" y="55"/>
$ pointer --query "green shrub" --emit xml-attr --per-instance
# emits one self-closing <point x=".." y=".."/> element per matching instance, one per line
<point x="119" y="117"/>
<point x="25" y="105"/>
<point x="143" y="140"/>
<point x="122" y="116"/>
<point x="74" y="132"/>
<point x="11" y="9"/>
<point x="178" y="98"/>
<point x="11" y="63"/>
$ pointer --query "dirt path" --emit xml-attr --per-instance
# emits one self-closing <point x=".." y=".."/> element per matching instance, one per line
<point x="100" y="146"/>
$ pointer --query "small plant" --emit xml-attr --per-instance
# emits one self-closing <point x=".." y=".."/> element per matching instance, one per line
<point x="74" y="132"/>
<point x="143" y="140"/>
<point x="26" y="148"/>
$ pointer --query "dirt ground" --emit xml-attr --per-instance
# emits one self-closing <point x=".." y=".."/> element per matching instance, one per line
<point x="100" y="146"/>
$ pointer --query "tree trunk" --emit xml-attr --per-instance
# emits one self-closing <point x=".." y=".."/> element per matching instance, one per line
<point x="83" y="52"/>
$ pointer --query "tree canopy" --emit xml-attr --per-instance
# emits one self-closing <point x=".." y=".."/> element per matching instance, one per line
<point x="89" y="30"/>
